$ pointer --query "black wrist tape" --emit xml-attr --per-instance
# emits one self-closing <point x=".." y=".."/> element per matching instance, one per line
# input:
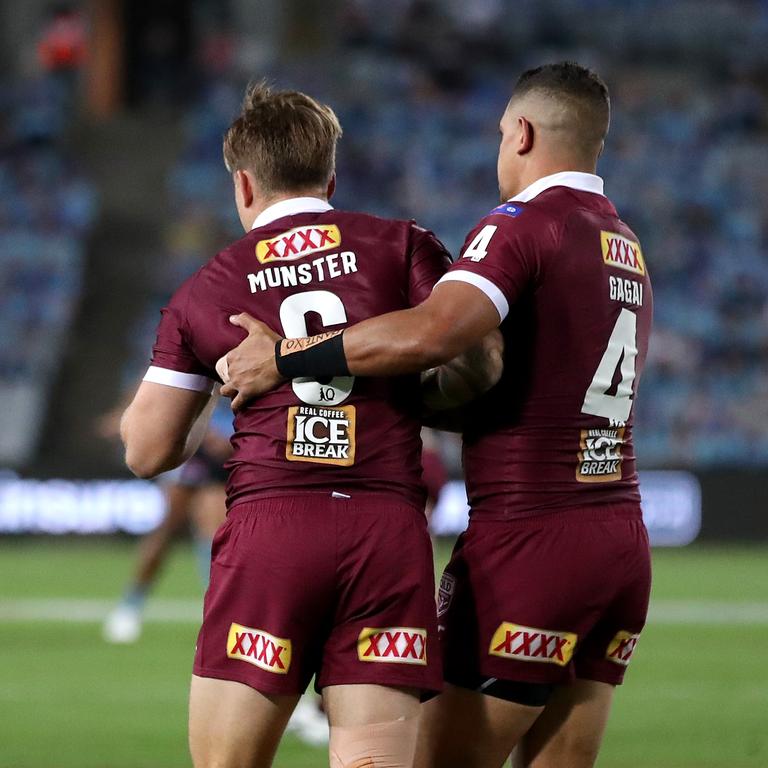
<point x="320" y="361"/>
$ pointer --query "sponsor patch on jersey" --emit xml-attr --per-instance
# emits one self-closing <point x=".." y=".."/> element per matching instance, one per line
<point x="621" y="252"/>
<point x="393" y="645"/>
<point x="621" y="648"/>
<point x="257" y="647"/>
<point x="445" y="593"/>
<point x="514" y="641"/>
<point x="508" y="209"/>
<point x="599" y="460"/>
<point x="321" y="435"/>
<point x="298" y="242"/>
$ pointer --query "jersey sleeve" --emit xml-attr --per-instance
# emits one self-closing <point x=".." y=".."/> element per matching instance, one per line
<point x="429" y="262"/>
<point x="500" y="257"/>
<point x="173" y="361"/>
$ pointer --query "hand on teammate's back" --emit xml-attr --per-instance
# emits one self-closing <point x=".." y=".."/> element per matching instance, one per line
<point x="249" y="369"/>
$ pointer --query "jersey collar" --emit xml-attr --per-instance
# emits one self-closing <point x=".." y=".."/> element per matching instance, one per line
<point x="584" y="182"/>
<point x="290" y="207"/>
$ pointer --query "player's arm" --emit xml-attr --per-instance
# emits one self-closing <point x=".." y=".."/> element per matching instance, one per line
<point x="163" y="426"/>
<point x="498" y="262"/>
<point x="166" y="421"/>
<point x="456" y="316"/>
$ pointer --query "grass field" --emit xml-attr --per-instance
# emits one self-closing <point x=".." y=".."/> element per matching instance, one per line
<point x="696" y="695"/>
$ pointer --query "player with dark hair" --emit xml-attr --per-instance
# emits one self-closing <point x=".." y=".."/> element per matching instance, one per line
<point x="324" y="564"/>
<point x="547" y="591"/>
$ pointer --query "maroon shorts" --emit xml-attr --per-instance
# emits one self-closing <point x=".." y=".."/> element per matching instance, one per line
<point x="340" y="588"/>
<point x="545" y="599"/>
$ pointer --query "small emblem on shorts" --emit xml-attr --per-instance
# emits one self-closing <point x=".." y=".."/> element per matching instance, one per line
<point x="321" y="435"/>
<point x="513" y="641"/>
<point x="257" y="647"/>
<point x="445" y="593"/>
<point x="621" y="648"/>
<point x="396" y="645"/>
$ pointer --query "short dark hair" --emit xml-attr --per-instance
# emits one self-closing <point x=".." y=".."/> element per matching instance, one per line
<point x="285" y="138"/>
<point x="579" y="86"/>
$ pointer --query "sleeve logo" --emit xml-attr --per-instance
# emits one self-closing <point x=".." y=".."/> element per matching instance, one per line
<point x="514" y="641"/>
<point x="299" y="242"/>
<point x="621" y="252"/>
<point x="393" y="645"/>
<point x="257" y="647"/>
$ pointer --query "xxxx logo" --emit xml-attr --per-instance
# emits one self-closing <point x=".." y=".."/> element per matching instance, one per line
<point x="397" y="645"/>
<point x="620" y="251"/>
<point x="298" y="242"/>
<point x="257" y="647"/>
<point x="621" y="648"/>
<point x="513" y="641"/>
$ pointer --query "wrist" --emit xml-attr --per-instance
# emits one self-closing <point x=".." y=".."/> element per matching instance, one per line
<point x="316" y="357"/>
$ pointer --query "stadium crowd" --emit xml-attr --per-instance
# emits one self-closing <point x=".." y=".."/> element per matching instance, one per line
<point x="47" y="208"/>
<point x="682" y="163"/>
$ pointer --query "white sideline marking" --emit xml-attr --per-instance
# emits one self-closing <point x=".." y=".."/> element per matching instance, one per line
<point x="87" y="610"/>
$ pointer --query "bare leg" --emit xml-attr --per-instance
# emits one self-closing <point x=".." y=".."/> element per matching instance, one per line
<point x="155" y="545"/>
<point x="231" y="725"/>
<point x="372" y="726"/>
<point x="570" y="730"/>
<point x="465" y="729"/>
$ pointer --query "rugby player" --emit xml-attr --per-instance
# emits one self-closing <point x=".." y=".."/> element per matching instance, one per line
<point x="546" y="593"/>
<point x="324" y="564"/>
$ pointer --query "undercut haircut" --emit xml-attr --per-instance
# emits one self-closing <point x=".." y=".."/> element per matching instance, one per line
<point x="579" y="90"/>
<point x="285" y="138"/>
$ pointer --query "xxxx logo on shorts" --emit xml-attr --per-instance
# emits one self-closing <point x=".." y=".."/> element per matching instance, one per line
<point x="298" y="242"/>
<point x="257" y="647"/>
<point x="621" y="648"/>
<point x="514" y="641"/>
<point x="620" y="251"/>
<point x="396" y="645"/>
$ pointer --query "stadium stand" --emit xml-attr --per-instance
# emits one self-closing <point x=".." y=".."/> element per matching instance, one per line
<point x="682" y="163"/>
<point x="46" y="211"/>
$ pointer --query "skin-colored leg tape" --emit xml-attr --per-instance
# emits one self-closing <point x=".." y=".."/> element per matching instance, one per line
<point x="380" y="745"/>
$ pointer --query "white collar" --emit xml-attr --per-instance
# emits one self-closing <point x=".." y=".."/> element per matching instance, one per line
<point x="290" y="207"/>
<point x="584" y="182"/>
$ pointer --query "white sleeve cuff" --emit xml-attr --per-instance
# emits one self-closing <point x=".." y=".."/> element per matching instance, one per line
<point x="491" y="290"/>
<point x="193" y="381"/>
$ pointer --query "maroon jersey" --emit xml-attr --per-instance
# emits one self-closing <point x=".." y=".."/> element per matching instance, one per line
<point x="302" y="269"/>
<point x="572" y="289"/>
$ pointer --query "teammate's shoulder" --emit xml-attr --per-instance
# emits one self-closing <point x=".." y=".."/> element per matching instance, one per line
<point x="371" y="219"/>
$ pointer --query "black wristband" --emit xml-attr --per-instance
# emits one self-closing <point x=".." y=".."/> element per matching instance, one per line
<point x="323" y="360"/>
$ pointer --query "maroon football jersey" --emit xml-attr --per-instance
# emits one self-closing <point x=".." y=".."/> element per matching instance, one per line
<point x="572" y="289"/>
<point x="305" y="268"/>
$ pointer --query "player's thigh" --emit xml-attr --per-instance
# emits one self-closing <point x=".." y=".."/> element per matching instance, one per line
<point x="570" y="730"/>
<point x="362" y="704"/>
<point x="231" y="724"/>
<point x="177" y="501"/>
<point x="209" y="509"/>
<point x="371" y="725"/>
<point x="466" y="729"/>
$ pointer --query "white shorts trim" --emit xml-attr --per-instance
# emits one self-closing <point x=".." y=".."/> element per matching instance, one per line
<point x="491" y="290"/>
<point x="192" y="381"/>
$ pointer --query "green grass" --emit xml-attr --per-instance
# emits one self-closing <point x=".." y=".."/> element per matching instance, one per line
<point x="696" y="695"/>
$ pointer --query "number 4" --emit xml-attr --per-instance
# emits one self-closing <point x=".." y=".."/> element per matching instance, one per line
<point x="623" y="340"/>
<point x="478" y="248"/>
